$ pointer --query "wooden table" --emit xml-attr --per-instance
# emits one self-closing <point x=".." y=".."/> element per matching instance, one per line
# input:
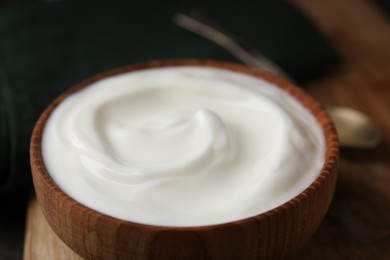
<point x="358" y="223"/>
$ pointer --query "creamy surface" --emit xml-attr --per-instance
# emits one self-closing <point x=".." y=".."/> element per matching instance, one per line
<point x="182" y="146"/>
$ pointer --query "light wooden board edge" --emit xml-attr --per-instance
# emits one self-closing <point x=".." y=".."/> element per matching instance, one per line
<point x="40" y="240"/>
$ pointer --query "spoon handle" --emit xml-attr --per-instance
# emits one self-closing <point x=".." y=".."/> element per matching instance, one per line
<point x="198" y="23"/>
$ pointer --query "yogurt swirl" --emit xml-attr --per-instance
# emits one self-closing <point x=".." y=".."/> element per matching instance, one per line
<point x="182" y="146"/>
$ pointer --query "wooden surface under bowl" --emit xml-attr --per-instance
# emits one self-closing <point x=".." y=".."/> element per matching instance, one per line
<point x="271" y="235"/>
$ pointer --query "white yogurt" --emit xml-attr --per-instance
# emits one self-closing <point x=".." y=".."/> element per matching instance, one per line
<point x="182" y="146"/>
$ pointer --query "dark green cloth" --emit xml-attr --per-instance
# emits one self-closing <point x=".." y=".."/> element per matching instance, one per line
<point x="47" y="47"/>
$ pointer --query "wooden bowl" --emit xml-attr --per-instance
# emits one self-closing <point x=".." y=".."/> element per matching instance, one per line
<point x="271" y="235"/>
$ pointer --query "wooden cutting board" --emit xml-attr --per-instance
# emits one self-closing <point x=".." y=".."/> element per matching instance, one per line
<point x="40" y="241"/>
<point x="358" y="223"/>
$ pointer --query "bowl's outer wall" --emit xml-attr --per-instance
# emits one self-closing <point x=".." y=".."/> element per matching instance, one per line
<point x="272" y="235"/>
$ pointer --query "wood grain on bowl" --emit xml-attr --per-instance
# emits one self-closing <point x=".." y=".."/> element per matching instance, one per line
<point x="271" y="235"/>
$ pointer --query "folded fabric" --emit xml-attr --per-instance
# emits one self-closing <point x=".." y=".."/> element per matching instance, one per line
<point x="47" y="47"/>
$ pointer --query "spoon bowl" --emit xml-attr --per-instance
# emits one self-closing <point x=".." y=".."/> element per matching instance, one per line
<point x="355" y="129"/>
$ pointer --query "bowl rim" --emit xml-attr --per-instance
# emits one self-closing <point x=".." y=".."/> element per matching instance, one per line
<point x="316" y="109"/>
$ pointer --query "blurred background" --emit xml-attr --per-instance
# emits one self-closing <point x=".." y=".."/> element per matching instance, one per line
<point x="339" y="51"/>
